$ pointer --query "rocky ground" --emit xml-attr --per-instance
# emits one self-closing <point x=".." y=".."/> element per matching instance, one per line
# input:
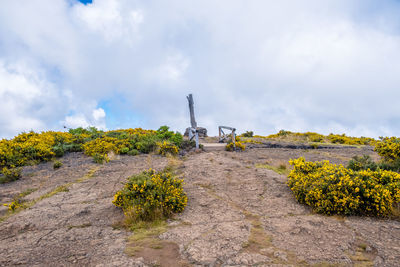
<point x="239" y="213"/>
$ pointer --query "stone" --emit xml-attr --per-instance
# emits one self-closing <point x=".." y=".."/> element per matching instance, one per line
<point x="280" y="255"/>
<point x="201" y="130"/>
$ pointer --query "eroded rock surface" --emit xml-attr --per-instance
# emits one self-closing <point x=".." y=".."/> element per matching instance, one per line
<point x="73" y="227"/>
<point x="238" y="214"/>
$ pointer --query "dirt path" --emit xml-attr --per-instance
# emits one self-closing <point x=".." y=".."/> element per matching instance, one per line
<point x="239" y="214"/>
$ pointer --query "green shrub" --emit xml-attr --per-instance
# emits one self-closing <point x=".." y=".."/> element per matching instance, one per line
<point x="151" y="195"/>
<point x="188" y="144"/>
<point x="365" y="162"/>
<point x="334" y="189"/>
<point x="146" y="143"/>
<point x="391" y="165"/>
<point x="73" y="147"/>
<point x="248" y="134"/>
<point x="124" y="150"/>
<point x="57" y="164"/>
<point x="283" y="133"/>
<point x="100" y="158"/>
<point x="10" y="174"/>
<point x="133" y="152"/>
<point x="58" y="150"/>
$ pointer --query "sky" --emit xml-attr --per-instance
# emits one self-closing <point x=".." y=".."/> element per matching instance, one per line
<point x="328" y="66"/>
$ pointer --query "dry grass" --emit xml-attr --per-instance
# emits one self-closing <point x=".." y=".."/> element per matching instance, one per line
<point x="282" y="169"/>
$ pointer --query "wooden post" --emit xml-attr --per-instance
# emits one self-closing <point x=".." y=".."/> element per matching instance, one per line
<point x="234" y="139"/>
<point x="223" y="136"/>
<point x="197" y="140"/>
<point x="191" y="109"/>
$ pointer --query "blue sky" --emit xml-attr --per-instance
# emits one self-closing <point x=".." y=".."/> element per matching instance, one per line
<point x="86" y="1"/>
<point x="262" y="65"/>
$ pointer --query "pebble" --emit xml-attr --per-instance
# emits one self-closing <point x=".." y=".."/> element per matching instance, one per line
<point x="280" y="255"/>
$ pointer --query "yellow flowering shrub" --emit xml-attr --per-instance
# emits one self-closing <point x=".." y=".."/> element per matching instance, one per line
<point x="31" y="147"/>
<point x="151" y="195"/>
<point x="334" y="189"/>
<point x="10" y="174"/>
<point x="165" y="148"/>
<point x="238" y="144"/>
<point x="104" y="145"/>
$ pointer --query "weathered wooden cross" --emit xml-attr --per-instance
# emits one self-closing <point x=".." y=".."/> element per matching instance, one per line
<point x="193" y="132"/>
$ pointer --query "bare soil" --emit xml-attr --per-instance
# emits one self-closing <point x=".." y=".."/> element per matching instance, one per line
<point x="239" y="213"/>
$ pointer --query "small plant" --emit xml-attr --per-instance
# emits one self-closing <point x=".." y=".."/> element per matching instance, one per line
<point x="100" y="158"/>
<point x="57" y="164"/>
<point x="188" y="144"/>
<point x="151" y="196"/>
<point x="133" y="152"/>
<point x="10" y="174"/>
<point x="14" y="205"/>
<point x="124" y="150"/>
<point x="282" y="167"/>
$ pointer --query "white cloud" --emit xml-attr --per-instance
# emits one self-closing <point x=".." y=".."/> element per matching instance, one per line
<point x="28" y="101"/>
<point x="328" y="66"/>
<point x="97" y="119"/>
<point x="98" y="114"/>
<point x="110" y="19"/>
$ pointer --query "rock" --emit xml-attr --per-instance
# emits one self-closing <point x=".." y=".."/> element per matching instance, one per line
<point x="280" y="255"/>
<point x="201" y="130"/>
<point x="378" y="261"/>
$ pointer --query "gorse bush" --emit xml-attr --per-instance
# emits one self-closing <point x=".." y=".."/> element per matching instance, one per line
<point x="151" y="195"/>
<point x="57" y="164"/>
<point x="239" y="146"/>
<point x="31" y="148"/>
<point x="334" y="189"/>
<point x="388" y="148"/>
<point x="166" y="147"/>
